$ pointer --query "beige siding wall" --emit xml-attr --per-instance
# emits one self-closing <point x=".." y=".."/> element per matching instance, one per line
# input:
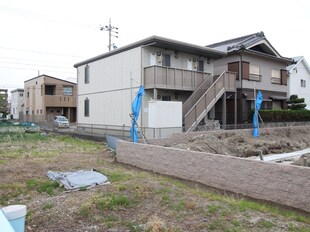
<point x="109" y="89"/>
<point x="283" y="184"/>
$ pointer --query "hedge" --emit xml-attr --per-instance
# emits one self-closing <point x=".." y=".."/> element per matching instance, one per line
<point x="283" y="115"/>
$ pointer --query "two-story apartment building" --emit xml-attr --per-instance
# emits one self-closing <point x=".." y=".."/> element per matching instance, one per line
<point x="299" y="79"/>
<point x="17" y="100"/>
<point x="259" y="67"/>
<point x="4" y="101"/>
<point x="173" y="73"/>
<point x="46" y="96"/>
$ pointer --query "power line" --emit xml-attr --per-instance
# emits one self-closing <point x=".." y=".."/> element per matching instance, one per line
<point x="48" y="53"/>
<point x="33" y="69"/>
<point x="50" y="66"/>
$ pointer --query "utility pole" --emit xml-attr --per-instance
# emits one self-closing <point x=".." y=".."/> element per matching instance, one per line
<point x="111" y="29"/>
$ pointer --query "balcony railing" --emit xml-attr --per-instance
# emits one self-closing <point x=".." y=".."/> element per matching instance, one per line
<point x="59" y="101"/>
<point x="172" y="78"/>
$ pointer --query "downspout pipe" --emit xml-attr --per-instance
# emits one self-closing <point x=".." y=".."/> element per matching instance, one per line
<point x="241" y="88"/>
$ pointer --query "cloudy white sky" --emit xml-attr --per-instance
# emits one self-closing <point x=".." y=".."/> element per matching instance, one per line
<point x="49" y="36"/>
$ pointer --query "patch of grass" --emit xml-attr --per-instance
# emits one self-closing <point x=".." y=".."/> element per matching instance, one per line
<point x="212" y="209"/>
<point x="265" y="224"/>
<point x="121" y="188"/>
<point x="111" y="202"/>
<point x="43" y="186"/>
<point x="165" y="199"/>
<point x="243" y="205"/>
<point x="294" y="228"/>
<point x="11" y="190"/>
<point x="81" y="144"/>
<point x="179" y="206"/>
<point x="85" y="209"/>
<point x="3" y="162"/>
<point x="48" y="206"/>
<point x="111" y="220"/>
<point x="235" y="223"/>
<point x="118" y="176"/>
<point x="21" y="137"/>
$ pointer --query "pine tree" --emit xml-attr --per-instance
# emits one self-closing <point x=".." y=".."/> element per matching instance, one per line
<point x="295" y="103"/>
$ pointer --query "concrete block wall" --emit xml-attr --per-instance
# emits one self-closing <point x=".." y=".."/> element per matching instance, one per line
<point x="282" y="184"/>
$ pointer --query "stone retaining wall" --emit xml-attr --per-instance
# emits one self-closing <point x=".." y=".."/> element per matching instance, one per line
<point x="283" y="184"/>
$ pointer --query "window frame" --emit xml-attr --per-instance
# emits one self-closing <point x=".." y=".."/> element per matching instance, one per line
<point x="67" y="93"/>
<point x="254" y="75"/>
<point x="86" y="74"/>
<point x="86" y="107"/>
<point x="275" y="79"/>
<point x="303" y="83"/>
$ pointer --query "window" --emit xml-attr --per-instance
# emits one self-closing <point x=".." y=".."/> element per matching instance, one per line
<point x="166" y="60"/>
<point x="166" y="98"/>
<point x="254" y="73"/>
<point x="86" y="107"/>
<point x="27" y="94"/>
<point x="275" y="76"/>
<point x="86" y="74"/>
<point x="50" y="89"/>
<point x="21" y="95"/>
<point x="234" y="67"/>
<point x="201" y="66"/>
<point x="68" y="90"/>
<point x="303" y="83"/>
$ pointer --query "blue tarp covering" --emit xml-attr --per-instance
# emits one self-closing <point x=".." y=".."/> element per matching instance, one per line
<point x="79" y="179"/>
<point x="136" y="105"/>
<point x="259" y="100"/>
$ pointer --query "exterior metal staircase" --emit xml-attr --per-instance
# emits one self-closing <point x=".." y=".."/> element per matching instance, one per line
<point x="196" y="107"/>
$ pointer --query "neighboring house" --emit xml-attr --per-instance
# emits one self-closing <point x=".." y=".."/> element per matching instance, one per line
<point x="46" y="96"/>
<point x="259" y="67"/>
<point x="17" y="100"/>
<point x="4" y="101"/>
<point x="170" y="71"/>
<point x="299" y="79"/>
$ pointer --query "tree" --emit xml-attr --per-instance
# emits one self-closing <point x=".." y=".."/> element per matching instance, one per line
<point x="295" y="103"/>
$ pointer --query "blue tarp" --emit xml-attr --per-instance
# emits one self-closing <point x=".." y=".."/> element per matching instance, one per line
<point x="136" y="105"/>
<point x="259" y="100"/>
<point x="79" y="179"/>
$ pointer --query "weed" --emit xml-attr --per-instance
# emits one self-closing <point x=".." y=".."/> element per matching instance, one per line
<point x="212" y="209"/>
<point x="3" y="161"/>
<point x="236" y="223"/>
<point x="155" y="224"/>
<point x="122" y="188"/>
<point x="294" y="228"/>
<point x="85" y="209"/>
<point x="47" y="206"/>
<point x="165" y="199"/>
<point x="42" y="186"/>
<point x="265" y="223"/>
<point x="118" y="176"/>
<point x="111" y="202"/>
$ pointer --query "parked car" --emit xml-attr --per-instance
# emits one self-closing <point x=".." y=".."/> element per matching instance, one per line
<point x="61" y="122"/>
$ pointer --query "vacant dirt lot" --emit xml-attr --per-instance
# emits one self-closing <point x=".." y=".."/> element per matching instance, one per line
<point x="241" y="143"/>
<point x="134" y="201"/>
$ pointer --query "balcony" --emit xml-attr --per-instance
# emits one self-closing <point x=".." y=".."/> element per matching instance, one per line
<point x="172" y="78"/>
<point x="59" y="101"/>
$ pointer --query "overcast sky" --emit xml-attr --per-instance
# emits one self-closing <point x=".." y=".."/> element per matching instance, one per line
<point x="49" y="36"/>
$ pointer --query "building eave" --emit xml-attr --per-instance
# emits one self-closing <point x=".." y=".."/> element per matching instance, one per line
<point x="43" y="75"/>
<point x="160" y="42"/>
<point x="282" y="59"/>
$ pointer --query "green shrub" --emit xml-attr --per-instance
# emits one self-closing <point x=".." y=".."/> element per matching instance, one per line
<point x="283" y="115"/>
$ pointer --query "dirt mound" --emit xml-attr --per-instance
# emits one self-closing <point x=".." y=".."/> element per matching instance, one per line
<point x="242" y="144"/>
